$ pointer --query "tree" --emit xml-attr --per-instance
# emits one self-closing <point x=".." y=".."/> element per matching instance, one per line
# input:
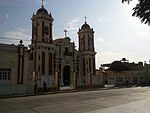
<point x="141" y="10"/>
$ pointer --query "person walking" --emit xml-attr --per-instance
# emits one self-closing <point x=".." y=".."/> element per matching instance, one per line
<point x="35" y="87"/>
<point x="44" y="87"/>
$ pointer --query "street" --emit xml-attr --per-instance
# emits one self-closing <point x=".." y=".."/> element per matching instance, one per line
<point x="123" y="100"/>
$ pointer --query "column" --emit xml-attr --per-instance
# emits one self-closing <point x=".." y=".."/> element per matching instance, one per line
<point x="74" y="80"/>
<point x="57" y="84"/>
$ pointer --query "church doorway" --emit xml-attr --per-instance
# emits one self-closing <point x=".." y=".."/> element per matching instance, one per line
<point x="66" y="76"/>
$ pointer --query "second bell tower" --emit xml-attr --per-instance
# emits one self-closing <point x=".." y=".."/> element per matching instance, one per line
<point x="87" y="50"/>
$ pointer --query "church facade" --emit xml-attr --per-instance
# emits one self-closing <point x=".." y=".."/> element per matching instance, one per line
<point x="55" y="62"/>
<point x="50" y="57"/>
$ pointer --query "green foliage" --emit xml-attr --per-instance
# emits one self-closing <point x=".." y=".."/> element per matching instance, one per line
<point x="141" y="10"/>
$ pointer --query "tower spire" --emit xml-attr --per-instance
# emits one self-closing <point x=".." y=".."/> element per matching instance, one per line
<point x="43" y="3"/>
<point x="65" y="31"/>
<point x="85" y="19"/>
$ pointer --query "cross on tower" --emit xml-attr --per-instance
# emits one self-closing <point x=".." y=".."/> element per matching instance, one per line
<point x="65" y="33"/>
<point x="43" y="3"/>
<point x="85" y="18"/>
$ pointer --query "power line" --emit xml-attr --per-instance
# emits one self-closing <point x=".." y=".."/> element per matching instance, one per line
<point x="14" y="39"/>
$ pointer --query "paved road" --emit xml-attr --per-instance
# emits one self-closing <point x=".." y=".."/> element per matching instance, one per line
<point x="125" y="100"/>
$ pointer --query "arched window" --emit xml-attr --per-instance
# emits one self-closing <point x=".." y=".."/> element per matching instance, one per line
<point x="46" y="30"/>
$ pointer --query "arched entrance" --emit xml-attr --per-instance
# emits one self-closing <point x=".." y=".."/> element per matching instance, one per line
<point x="66" y="76"/>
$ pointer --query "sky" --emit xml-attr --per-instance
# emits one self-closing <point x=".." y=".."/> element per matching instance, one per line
<point x="117" y="34"/>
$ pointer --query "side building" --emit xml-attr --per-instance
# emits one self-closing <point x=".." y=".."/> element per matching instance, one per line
<point x="13" y="69"/>
<point x="120" y="73"/>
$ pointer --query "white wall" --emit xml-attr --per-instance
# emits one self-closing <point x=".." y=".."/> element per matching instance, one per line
<point x="12" y="89"/>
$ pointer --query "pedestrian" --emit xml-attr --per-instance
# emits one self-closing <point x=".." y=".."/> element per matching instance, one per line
<point x="35" y="88"/>
<point x="127" y="83"/>
<point x="44" y="87"/>
<point x="106" y="83"/>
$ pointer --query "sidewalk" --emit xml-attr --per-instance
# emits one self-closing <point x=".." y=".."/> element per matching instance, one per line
<point x="62" y="90"/>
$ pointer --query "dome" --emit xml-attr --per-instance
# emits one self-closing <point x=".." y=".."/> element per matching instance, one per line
<point x="42" y="10"/>
<point x="85" y="26"/>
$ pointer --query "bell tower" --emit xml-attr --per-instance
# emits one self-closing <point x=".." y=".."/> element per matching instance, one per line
<point x="41" y="47"/>
<point x="87" y="50"/>
<point x="86" y="38"/>
<point x="42" y="26"/>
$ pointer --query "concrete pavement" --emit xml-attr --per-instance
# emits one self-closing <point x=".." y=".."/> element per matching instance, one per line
<point x="142" y="106"/>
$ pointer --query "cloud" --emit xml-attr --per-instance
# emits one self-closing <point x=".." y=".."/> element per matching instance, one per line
<point x="7" y="16"/>
<point x="17" y="35"/>
<point x="7" y="1"/>
<point x="109" y="43"/>
<point x="72" y="25"/>
<point x="143" y="33"/>
<point x="2" y="2"/>
<point x="113" y="54"/>
<point x="100" y="19"/>
<point x="109" y="57"/>
<point x="100" y="39"/>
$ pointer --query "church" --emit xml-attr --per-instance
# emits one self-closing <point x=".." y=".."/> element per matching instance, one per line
<point x="56" y="62"/>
